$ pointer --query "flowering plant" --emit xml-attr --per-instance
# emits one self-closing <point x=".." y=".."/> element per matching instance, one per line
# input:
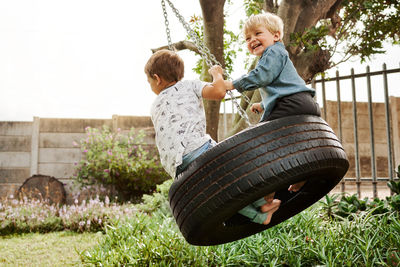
<point x="25" y="216"/>
<point x="119" y="160"/>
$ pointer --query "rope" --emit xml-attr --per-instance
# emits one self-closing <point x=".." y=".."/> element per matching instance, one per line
<point x="205" y="53"/>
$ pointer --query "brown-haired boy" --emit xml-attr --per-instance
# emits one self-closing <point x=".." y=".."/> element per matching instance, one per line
<point x="179" y="119"/>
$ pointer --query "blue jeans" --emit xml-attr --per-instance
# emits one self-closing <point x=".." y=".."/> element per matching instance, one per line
<point x="251" y="211"/>
<point x="191" y="156"/>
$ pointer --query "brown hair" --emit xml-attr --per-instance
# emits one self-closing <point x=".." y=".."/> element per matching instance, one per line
<point x="166" y="64"/>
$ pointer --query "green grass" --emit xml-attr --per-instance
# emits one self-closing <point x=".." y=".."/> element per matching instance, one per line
<point x="52" y="249"/>
<point x="307" y="239"/>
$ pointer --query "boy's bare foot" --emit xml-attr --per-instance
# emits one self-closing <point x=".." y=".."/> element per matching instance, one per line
<point x="270" y="208"/>
<point x="269" y="198"/>
<point x="296" y="187"/>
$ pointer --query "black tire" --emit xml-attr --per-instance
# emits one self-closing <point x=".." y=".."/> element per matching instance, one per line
<point x="249" y="165"/>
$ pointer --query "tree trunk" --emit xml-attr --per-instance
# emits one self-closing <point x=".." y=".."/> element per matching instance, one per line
<point x="213" y="16"/>
<point x="298" y="16"/>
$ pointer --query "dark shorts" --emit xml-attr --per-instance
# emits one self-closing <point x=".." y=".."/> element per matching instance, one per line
<point x="297" y="104"/>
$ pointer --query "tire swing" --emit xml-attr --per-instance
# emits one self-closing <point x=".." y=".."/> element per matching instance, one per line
<point x="249" y="165"/>
<point x="259" y="160"/>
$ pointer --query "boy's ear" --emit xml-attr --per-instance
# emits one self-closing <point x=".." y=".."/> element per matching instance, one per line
<point x="157" y="78"/>
<point x="277" y="36"/>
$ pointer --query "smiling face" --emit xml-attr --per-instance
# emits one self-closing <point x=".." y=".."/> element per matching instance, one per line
<point x="259" y="38"/>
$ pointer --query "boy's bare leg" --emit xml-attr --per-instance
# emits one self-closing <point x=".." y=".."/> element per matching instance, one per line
<point x="270" y="208"/>
<point x="297" y="186"/>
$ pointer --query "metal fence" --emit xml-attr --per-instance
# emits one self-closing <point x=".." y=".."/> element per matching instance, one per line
<point x="334" y="87"/>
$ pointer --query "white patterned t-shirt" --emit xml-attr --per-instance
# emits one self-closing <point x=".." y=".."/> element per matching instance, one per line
<point x="179" y="122"/>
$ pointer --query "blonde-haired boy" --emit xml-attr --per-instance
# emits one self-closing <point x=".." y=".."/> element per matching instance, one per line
<point x="283" y="91"/>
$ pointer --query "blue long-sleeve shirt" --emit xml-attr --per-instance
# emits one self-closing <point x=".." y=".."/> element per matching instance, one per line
<point x="276" y="77"/>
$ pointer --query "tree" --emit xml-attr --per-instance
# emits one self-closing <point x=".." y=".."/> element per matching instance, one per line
<point x="315" y="31"/>
<point x="213" y="27"/>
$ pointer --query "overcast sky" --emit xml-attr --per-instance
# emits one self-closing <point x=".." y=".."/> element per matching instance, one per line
<point x="85" y="58"/>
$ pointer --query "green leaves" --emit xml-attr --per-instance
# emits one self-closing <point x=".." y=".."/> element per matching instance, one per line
<point x="366" y="25"/>
<point x="253" y="6"/>
<point x="230" y="45"/>
<point x="118" y="159"/>
<point x="311" y="39"/>
<point x="304" y="240"/>
<point x="394" y="186"/>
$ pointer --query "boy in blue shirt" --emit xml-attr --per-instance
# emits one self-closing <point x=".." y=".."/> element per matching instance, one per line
<point x="283" y="91"/>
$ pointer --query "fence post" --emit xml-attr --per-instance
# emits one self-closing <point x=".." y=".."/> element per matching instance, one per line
<point x="372" y="134"/>
<point x="356" y="154"/>
<point x="324" y="96"/>
<point x="339" y="111"/>
<point x="388" y="124"/>
<point x="396" y="131"/>
<point x="35" y="146"/>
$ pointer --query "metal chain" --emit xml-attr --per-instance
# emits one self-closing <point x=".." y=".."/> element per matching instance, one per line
<point x="167" y="25"/>
<point x="205" y="53"/>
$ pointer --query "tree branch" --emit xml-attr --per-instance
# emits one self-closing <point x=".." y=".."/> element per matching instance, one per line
<point x="181" y="45"/>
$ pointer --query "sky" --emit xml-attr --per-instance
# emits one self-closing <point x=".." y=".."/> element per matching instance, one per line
<point x="85" y="58"/>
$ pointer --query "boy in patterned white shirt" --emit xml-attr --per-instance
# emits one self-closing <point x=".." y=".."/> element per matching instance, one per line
<point x="179" y="119"/>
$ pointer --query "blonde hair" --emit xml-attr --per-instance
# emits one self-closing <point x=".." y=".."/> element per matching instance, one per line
<point x="272" y="22"/>
<point x="166" y="64"/>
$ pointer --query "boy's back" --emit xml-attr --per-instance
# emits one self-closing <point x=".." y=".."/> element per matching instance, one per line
<point x="179" y="121"/>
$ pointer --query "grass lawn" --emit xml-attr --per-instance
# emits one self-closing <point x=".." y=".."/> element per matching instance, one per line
<point x="52" y="249"/>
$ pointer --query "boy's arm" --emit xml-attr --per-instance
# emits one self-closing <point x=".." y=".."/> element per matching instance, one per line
<point x="217" y="89"/>
<point x="268" y="68"/>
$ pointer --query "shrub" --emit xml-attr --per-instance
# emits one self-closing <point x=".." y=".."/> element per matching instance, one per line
<point x="118" y="160"/>
<point x="27" y="216"/>
<point x="158" y="200"/>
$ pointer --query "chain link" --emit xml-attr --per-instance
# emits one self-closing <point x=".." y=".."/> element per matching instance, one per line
<point x="167" y="25"/>
<point x="205" y="53"/>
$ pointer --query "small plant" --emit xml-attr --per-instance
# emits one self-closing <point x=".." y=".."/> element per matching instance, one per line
<point x="378" y="206"/>
<point x="394" y="186"/>
<point x="25" y="216"/>
<point x="350" y="204"/>
<point x="330" y="205"/>
<point x="158" y="200"/>
<point x="118" y="160"/>
<point x="394" y="201"/>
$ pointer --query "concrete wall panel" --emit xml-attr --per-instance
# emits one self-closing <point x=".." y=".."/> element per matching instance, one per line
<point x="15" y="143"/>
<point x="127" y="122"/>
<point x="60" y="140"/>
<point x="14" y="175"/>
<point x="71" y="125"/>
<point x="57" y="170"/>
<point x="14" y="159"/>
<point x="59" y="155"/>
<point x="15" y="128"/>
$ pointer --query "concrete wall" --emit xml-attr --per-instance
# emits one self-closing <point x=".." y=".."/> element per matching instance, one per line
<point x="15" y="155"/>
<point x="45" y="146"/>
